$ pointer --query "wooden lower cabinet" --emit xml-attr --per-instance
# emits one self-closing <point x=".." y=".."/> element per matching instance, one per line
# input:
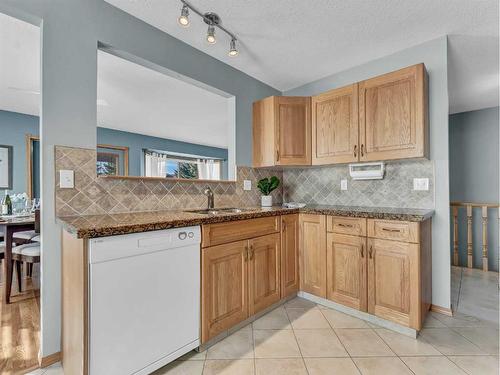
<point x="394" y="281"/>
<point x="264" y="272"/>
<point x="224" y="287"/>
<point x="312" y="254"/>
<point x="346" y="270"/>
<point x="238" y="280"/>
<point x="289" y="255"/>
<point x="385" y="270"/>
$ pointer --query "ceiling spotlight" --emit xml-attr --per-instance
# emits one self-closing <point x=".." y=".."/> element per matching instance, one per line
<point x="184" y="17"/>
<point x="232" y="48"/>
<point x="212" y="20"/>
<point x="211" y="35"/>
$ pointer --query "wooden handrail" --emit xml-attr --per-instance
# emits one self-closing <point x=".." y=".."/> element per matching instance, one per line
<point x="469" y="206"/>
<point x="465" y="204"/>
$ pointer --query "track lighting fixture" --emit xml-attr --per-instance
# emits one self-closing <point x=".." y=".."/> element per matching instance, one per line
<point x="213" y="21"/>
<point x="184" y="17"/>
<point x="232" y="48"/>
<point x="211" y="35"/>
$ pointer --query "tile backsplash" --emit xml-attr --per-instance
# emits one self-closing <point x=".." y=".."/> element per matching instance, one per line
<point x="93" y="195"/>
<point x="313" y="185"/>
<point x="321" y="185"/>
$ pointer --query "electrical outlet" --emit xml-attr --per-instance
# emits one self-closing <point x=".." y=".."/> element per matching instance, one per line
<point x="420" y="184"/>
<point x="343" y="184"/>
<point x="247" y="185"/>
<point x="66" y="179"/>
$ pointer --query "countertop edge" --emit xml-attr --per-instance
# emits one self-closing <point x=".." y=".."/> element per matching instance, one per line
<point x="104" y="231"/>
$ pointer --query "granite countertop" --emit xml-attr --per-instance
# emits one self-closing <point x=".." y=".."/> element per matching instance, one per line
<point x="93" y="226"/>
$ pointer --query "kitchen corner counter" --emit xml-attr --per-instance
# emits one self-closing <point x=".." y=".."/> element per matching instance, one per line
<point x="384" y="213"/>
<point x="93" y="226"/>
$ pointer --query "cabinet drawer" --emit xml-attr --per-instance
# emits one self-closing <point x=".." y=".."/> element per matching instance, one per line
<point x="219" y="233"/>
<point x="405" y="231"/>
<point x="346" y="225"/>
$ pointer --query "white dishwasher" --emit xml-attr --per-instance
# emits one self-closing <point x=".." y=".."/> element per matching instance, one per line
<point x="144" y="300"/>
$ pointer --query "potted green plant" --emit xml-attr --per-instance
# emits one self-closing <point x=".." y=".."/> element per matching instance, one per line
<point x="266" y="187"/>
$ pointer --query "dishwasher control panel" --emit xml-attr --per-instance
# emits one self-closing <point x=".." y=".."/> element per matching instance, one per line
<point x="112" y="247"/>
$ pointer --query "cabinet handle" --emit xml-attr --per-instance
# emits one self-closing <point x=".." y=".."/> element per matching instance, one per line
<point x="251" y="252"/>
<point x="370" y="253"/>
<point x="392" y="230"/>
<point x="362" y="147"/>
<point x="277" y="155"/>
<point x="246" y="253"/>
<point x="355" y="147"/>
<point x="362" y="251"/>
<point x="345" y="225"/>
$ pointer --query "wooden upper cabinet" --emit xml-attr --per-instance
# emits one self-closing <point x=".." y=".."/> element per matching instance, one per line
<point x="293" y="130"/>
<point x="264" y="272"/>
<point x="312" y="254"/>
<point x="282" y="131"/>
<point x="289" y="254"/>
<point x="346" y="270"/>
<point x="335" y="126"/>
<point x="224" y="287"/>
<point x="393" y="120"/>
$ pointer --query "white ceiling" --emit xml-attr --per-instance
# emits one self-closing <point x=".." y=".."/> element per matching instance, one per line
<point x="141" y="100"/>
<point x="284" y="43"/>
<point x="287" y="43"/>
<point x="130" y="97"/>
<point x="19" y="66"/>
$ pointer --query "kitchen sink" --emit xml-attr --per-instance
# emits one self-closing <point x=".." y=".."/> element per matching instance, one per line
<point x="219" y="211"/>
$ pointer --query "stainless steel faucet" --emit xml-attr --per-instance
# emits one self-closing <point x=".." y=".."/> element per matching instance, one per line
<point x="210" y="195"/>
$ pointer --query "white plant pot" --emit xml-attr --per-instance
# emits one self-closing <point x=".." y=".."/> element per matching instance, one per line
<point x="266" y="200"/>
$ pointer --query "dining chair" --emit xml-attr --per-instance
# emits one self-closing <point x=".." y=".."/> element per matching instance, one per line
<point x="28" y="253"/>
<point x="26" y="236"/>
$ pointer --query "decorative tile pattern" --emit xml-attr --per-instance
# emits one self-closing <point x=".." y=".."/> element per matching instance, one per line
<point x="95" y="196"/>
<point x="321" y="185"/>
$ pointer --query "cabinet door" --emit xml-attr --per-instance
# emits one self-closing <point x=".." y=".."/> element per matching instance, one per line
<point x="264" y="152"/>
<point x="335" y="126"/>
<point x="393" y="115"/>
<point x="313" y="254"/>
<point x="346" y="270"/>
<point x="393" y="281"/>
<point x="293" y="130"/>
<point x="289" y="255"/>
<point x="264" y="272"/>
<point x="224" y="287"/>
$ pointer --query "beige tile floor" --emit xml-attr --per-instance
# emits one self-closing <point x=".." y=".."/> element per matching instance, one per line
<point x="304" y="338"/>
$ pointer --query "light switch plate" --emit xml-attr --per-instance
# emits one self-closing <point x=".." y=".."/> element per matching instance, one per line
<point x="66" y="179"/>
<point x="247" y="185"/>
<point x="420" y="184"/>
<point x="343" y="184"/>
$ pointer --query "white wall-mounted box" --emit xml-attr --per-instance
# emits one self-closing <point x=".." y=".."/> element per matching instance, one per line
<point x="367" y="171"/>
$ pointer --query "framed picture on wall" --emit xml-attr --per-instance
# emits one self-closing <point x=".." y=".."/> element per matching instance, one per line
<point x="6" y="167"/>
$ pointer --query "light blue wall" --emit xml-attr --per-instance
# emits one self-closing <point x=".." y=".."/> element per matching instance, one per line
<point x="13" y="129"/>
<point x="137" y="142"/>
<point x="435" y="56"/>
<point x="474" y="177"/>
<point x="71" y="31"/>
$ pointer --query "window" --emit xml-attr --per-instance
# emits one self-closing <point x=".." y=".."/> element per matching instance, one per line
<point x="107" y="163"/>
<point x="175" y="165"/>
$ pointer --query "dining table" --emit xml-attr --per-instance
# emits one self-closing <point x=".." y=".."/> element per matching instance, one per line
<point x="8" y="226"/>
